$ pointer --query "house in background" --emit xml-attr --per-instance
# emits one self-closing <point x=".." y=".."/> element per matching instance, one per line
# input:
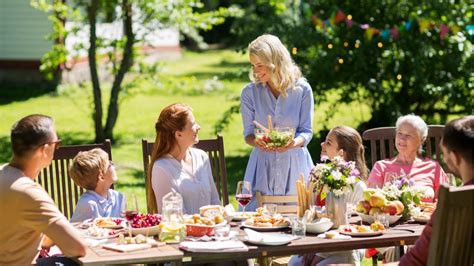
<point x="23" y="42"/>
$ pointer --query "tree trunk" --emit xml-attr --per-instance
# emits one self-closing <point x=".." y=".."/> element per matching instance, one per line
<point x="97" y="115"/>
<point x="127" y="61"/>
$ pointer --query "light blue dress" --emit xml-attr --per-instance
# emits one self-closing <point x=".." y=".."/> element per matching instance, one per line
<point x="93" y="205"/>
<point x="274" y="173"/>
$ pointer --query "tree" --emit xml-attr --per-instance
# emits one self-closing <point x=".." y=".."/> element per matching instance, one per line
<point x="399" y="57"/>
<point x="146" y="15"/>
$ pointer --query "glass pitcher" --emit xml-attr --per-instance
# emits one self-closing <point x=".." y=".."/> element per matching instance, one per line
<point x="173" y="229"/>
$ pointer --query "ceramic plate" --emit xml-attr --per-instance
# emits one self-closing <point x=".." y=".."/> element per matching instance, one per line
<point x="265" y="229"/>
<point x="272" y="240"/>
<point x="375" y="233"/>
<point x="421" y="219"/>
<point x="116" y="233"/>
<point x="238" y="216"/>
<point x="97" y="222"/>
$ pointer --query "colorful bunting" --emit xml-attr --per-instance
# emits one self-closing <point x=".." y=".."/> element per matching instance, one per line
<point x="423" y="24"/>
<point x="443" y="30"/>
<point x="385" y="35"/>
<point x="393" y="32"/>
<point x="339" y="16"/>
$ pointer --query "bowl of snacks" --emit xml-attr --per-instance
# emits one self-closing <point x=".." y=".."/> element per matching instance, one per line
<point x="275" y="138"/>
<point x="197" y="225"/>
<point x="145" y="224"/>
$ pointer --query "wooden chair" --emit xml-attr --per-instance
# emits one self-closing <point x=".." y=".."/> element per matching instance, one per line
<point x="280" y="201"/>
<point x="282" y="208"/>
<point x="453" y="228"/>
<point x="382" y="142"/>
<point x="55" y="178"/>
<point x="215" y="151"/>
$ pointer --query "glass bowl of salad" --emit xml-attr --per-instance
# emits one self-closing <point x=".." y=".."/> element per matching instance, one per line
<point x="276" y="138"/>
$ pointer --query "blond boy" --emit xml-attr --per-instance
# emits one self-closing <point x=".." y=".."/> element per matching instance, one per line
<point x="94" y="171"/>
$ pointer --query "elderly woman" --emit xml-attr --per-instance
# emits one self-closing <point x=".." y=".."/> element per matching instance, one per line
<point x="411" y="132"/>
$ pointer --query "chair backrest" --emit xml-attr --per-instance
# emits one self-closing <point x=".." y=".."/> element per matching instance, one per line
<point x="382" y="142"/>
<point x="215" y="151"/>
<point x="452" y="239"/>
<point x="285" y="204"/>
<point x="55" y="178"/>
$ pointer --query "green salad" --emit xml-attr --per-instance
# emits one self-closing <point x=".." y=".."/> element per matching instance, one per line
<point x="276" y="138"/>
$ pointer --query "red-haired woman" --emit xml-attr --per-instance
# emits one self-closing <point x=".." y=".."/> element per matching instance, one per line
<point x="176" y="165"/>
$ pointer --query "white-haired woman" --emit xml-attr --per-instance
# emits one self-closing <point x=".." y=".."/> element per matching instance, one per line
<point x="411" y="132"/>
<point x="277" y="89"/>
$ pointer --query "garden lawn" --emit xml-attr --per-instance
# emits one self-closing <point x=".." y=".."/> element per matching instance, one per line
<point x="207" y="81"/>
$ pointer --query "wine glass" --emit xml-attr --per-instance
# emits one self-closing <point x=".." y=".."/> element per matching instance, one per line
<point x="243" y="194"/>
<point x="131" y="208"/>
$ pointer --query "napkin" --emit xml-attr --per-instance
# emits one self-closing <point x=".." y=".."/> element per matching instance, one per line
<point x="227" y="246"/>
<point x="254" y="236"/>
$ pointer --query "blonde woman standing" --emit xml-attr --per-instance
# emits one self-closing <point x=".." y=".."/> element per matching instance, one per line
<point x="277" y="89"/>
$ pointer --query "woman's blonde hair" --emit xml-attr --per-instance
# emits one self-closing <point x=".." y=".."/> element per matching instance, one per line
<point x="86" y="167"/>
<point x="172" y="118"/>
<point x="274" y="55"/>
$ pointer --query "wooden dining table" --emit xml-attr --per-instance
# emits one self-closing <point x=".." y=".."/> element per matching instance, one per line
<point x="397" y="235"/>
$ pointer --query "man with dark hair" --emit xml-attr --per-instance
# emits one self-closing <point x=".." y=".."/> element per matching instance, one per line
<point x="27" y="210"/>
<point x="456" y="145"/>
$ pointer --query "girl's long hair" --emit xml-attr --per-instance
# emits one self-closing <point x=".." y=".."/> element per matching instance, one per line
<point x="350" y="141"/>
<point x="274" y="55"/>
<point x="172" y="118"/>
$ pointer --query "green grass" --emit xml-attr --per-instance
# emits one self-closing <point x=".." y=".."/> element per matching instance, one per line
<point x="179" y="81"/>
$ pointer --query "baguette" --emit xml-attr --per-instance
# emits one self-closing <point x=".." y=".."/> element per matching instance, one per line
<point x="300" y="200"/>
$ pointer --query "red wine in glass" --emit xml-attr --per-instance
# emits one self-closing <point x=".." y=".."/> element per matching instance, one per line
<point x="129" y="215"/>
<point x="243" y="199"/>
<point x="243" y="194"/>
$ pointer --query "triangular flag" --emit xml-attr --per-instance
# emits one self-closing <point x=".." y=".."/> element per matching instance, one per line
<point x="443" y="30"/>
<point x="424" y="24"/>
<point x="327" y="23"/>
<point x="317" y="22"/>
<point x="385" y="34"/>
<point x="394" y="33"/>
<point x="455" y="29"/>
<point x="369" y="33"/>
<point x="470" y="29"/>
<point x="349" y="23"/>
<point x="339" y="16"/>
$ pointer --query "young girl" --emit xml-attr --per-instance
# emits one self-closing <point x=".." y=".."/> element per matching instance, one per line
<point x="345" y="142"/>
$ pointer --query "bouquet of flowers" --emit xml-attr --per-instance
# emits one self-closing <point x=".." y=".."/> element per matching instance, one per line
<point x="336" y="176"/>
<point x="404" y="190"/>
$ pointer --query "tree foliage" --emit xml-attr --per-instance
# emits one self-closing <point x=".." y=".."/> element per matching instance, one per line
<point x="418" y="72"/>
<point x="139" y="18"/>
